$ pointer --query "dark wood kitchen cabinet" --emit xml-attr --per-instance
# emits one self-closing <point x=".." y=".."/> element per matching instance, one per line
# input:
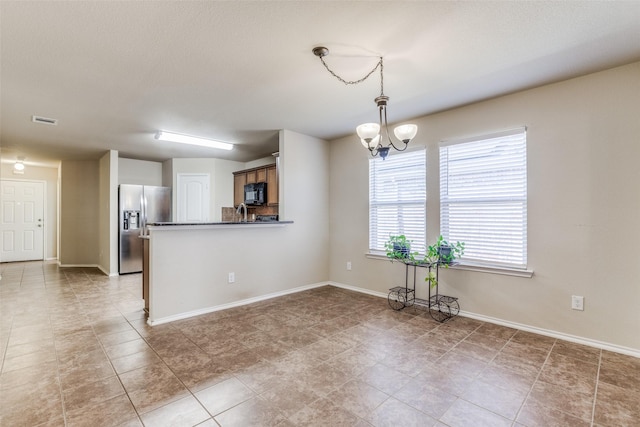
<point x="145" y="273"/>
<point x="268" y="174"/>
<point x="239" y="181"/>
<point x="272" y="186"/>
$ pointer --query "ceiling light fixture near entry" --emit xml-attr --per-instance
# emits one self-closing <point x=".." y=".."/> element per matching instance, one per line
<point x="193" y="140"/>
<point x="18" y="166"/>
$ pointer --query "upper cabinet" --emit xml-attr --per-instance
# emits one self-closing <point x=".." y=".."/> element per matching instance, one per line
<point x="272" y="186"/>
<point x="239" y="180"/>
<point x="268" y="174"/>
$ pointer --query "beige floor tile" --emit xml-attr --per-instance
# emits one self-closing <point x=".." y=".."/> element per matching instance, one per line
<point x="152" y="386"/>
<point x="384" y="378"/>
<point x="501" y="401"/>
<point x="464" y="414"/>
<point x="533" y="414"/>
<point x="223" y="396"/>
<point x="253" y="412"/>
<point x="579" y="405"/>
<point x="184" y="412"/>
<point x="86" y="395"/>
<point x="322" y="413"/>
<point x="426" y="398"/>
<point x="290" y="398"/>
<point x="393" y="413"/>
<point x="617" y="405"/>
<point x="116" y="411"/>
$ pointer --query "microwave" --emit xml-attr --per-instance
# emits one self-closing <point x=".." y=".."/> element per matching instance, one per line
<point x="255" y="194"/>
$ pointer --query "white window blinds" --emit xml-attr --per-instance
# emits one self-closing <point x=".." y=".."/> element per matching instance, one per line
<point x="397" y="196"/>
<point x="483" y="198"/>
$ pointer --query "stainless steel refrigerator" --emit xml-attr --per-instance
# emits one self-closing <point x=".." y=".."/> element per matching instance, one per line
<point x="139" y="205"/>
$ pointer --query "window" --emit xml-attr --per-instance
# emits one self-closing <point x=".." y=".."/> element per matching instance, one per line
<point x="483" y="198"/>
<point x="397" y="196"/>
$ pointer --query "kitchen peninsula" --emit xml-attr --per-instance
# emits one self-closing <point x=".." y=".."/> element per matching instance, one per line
<point x="196" y="268"/>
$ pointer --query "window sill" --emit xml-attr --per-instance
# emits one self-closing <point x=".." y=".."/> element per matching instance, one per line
<point x="517" y="272"/>
<point x="470" y="267"/>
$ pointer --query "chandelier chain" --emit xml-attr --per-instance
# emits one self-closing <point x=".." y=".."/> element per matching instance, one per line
<point x="372" y="135"/>
<point x="355" y="82"/>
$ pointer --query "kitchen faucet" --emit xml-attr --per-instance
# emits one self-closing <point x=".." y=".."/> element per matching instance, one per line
<point x="240" y="206"/>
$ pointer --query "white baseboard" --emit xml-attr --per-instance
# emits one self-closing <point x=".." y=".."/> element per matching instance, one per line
<point x="555" y="334"/>
<point x="238" y="303"/>
<point x="546" y="332"/>
<point x="78" y="265"/>
<point x="99" y="267"/>
<point x="361" y="290"/>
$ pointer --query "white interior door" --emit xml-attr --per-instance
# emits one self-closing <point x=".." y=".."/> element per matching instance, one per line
<point x="193" y="197"/>
<point x="22" y="221"/>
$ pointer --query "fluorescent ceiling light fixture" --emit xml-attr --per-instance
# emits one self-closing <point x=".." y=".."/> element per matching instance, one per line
<point x="192" y="140"/>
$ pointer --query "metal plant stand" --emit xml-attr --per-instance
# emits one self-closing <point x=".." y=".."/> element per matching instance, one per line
<point x="440" y="307"/>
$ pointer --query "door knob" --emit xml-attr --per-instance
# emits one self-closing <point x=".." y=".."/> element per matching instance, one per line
<point x="39" y="225"/>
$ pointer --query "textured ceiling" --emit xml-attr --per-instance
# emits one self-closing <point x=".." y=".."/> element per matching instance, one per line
<point x="115" y="72"/>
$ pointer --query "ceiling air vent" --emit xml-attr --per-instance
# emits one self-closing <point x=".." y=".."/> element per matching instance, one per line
<point x="44" y="120"/>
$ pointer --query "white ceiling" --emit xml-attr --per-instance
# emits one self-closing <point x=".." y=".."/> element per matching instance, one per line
<point x="115" y="72"/>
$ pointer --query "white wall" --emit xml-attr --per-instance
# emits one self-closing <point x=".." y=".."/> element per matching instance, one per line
<point x="108" y="213"/>
<point x="50" y="177"/>
<point x="583" y="208"/>
<point x="167" y="173"/>
<point x="139" y="172"/>
<point x="260" y="162"/>
<point x="79" y="213"/>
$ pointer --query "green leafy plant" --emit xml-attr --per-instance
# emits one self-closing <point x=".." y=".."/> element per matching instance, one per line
<point x="431" y="279"/>
<point x="448" y="252"/>
<point x="444" y="253"/>
<point x="399" y="248"/>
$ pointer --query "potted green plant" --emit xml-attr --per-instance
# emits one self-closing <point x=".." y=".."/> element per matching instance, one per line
<point x="443" y="253"/>
<point x="399" y="248"/>
<point x="448" y="252"/>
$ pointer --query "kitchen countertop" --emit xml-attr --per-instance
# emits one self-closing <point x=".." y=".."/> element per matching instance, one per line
<point x="167" y="224"/>
<point x="213" y="225"/>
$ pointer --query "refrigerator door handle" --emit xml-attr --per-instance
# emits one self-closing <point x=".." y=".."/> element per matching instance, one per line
<point x="143" y="215"/>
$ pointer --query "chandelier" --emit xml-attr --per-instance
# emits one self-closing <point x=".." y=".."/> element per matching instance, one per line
<point x="370" y="134"/>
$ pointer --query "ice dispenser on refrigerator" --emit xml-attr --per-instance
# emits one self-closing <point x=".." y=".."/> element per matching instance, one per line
<point x="138" y="206"/>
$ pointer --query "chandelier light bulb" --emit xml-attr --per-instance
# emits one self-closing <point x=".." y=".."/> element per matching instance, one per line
<point x="405" y="133"/>
<point x="368" y="131"/>
<point x="371" y="144"/>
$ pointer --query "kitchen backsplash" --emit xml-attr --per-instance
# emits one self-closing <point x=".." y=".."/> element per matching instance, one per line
<point x="229" y="213"/>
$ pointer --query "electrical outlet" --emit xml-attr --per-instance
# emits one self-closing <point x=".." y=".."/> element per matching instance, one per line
<point x="349" y="265"/>
<point x="577" y="302"/>
<point x="232" y="277"/>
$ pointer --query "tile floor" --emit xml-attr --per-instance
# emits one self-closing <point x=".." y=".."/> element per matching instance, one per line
<point x="76" y="351"/>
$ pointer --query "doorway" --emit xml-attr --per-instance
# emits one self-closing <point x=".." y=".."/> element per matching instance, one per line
<point x="22" y="221"/>
<point x="193" y="197"/>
